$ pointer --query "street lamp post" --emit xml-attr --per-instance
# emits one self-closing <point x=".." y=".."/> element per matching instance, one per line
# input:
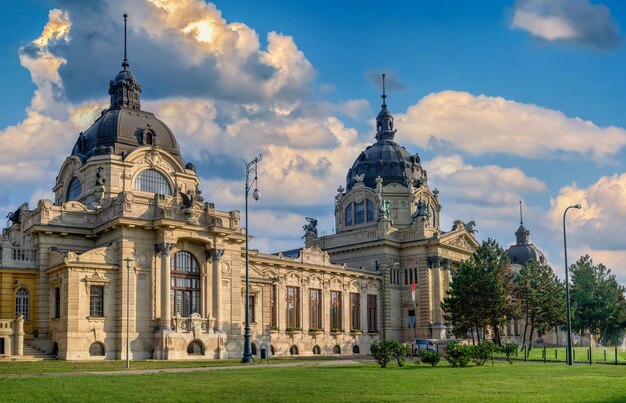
<point x="128" y="265"/>
<point x="567" y="304"/>
<point x="384" y="298"/>
<point x="251" y="168"/>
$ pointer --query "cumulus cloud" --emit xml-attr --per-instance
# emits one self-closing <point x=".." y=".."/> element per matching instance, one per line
<point x="481" y="124"/>
<point x="487" y="194"/>
<point x="602" y="219"/>
<point x="569" y="21"/>
<point x="181" y="48"/>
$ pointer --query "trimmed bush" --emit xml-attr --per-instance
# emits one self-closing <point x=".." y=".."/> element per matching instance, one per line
<point x="482" y="352"/>
<point x="429" y="357"/>
<point x="509" y="349"/>
<point x="458" y="355"/>
<point x="387" y="350"/>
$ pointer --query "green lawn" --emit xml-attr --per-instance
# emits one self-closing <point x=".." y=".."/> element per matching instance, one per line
<point x="581" y="354"/>
<point x="362" y="382"/>
<point x="38" y="367"/>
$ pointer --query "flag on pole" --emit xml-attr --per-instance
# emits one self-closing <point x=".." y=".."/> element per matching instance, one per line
<point x="414" y="295"/>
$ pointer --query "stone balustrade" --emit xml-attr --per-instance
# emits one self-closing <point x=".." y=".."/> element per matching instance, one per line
<point x="18" y="258"/>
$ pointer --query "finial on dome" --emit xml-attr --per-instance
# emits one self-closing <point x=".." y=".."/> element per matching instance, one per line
<point x="125" y="64"/>
<point x="521" y="221"/>
<point x="384" y="96"/>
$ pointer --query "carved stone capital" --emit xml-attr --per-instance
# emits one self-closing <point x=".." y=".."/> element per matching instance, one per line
<point x="215" y="254"/>
<point x="165" y="248"/>
<point x="434" y="261"/>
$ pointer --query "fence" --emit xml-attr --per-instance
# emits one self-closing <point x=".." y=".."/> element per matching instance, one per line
<point x="615" y="355"/>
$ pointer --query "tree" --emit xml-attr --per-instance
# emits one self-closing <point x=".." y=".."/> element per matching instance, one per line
<point x="598" y="305"/>
<point x="541" y="297"/>
<point x="481" y="293"/>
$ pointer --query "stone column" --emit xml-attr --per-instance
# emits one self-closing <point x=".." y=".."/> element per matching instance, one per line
<point x="345" y="309"/>
<point x="439" y="330"/>
<point x="217" y="254"/>
<point x="19" y="335"/>
<point x="165" y="249"/>
<point x="364" y="326"/>
<point x="325" y="305"/>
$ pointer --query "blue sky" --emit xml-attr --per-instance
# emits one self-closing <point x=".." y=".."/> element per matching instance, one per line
<point x="503" y="100"/>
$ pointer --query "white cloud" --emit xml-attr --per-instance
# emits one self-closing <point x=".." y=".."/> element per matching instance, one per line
<point x="487" y="194"/>
<point x="569" y="21"/>
<point x="458" y="121"/>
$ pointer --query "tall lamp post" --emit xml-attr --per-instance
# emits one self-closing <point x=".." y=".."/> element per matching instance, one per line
<point x="567" y="304"/>
<point x="384" y="297"/>
<point x="251" y="168"/>
<point x="128" y="265"/>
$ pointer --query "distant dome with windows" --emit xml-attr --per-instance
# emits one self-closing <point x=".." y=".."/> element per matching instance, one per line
<point x="386" y="181"/>
<point x="523" y="251"/>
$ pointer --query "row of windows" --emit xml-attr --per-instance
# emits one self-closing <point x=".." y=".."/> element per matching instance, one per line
<point x="410" y="276"/>
<point x="293" y="321"/>
<point x="148" y="180"/>
<point x="359" y="213"/>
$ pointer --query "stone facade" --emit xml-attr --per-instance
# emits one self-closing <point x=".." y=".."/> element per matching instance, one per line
<point x="129" y="248"/>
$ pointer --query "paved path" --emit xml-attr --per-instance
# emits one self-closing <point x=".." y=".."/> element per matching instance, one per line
<point x="192" y="369"/>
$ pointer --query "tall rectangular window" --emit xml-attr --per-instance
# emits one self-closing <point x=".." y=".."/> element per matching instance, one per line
<point x="348" y="214"/>
<point x="96" y="300"/>
<point x="355" y="311"/>
<point x="359" y="213"/>
<point x="251" y="310"/>
<point x="273" y="311"/>
<point x="57" y="302"/>
<point x="315" y="309"/>
<point x="370" y="210"/>
<point x="293" y="307"/>
<point x="335" y="310"/>
<point x="372" y="316"/>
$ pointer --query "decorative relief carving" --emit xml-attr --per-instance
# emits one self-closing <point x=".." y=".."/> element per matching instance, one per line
<point x="165" y="248"/>
<point x="225" y="268"/>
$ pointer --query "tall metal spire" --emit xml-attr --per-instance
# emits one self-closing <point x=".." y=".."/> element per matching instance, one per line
<point x="125" y="64"/>
<point x="384" y="96"/>
<point x="521" y="221"/>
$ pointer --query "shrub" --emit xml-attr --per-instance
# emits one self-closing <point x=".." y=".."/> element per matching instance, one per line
<point x="509" y="349"/>
<point x="482" y="352"/>
<point x="458" y="355"/>
<point x="387" y="350"/>
<point x="429" y="357"/>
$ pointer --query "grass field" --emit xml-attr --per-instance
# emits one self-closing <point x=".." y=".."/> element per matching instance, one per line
<point x="361" y="382"/>
<point x="580" y="354"/>
<point x="40" y="367"/>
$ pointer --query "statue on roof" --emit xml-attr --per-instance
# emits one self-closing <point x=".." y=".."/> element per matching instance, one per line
<point x="310" y="229"/>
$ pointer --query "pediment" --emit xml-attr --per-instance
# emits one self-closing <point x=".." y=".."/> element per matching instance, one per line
<point x="460" y="239"/>
<point x="314" y="256"/>
<point x="103" y="254"/>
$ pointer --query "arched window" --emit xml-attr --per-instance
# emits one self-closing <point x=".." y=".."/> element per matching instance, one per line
<point x="195" y="348"/>
<point x="317" y="350"/>
<point x="359" y="213"/>
<point x="73" y="190"/>
<point x="185" y="284"/>
<point x="336" y="350"/>
<point x="152" y="181"/>
<point x="370" y="210"/>
<point x="293" y="350"/>
<point x="356" y="349"/>
<point x="348" y="215"/>
<point x="272" y="350"/>
<point x="253" y="349"/>
<point x="22" y="303"/>
<point x="432" y="216"/>
<point x="96" y="349"/>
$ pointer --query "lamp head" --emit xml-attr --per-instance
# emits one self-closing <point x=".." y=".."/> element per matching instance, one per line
<point x="578" y="206"/>
<point x="256" y="194"/>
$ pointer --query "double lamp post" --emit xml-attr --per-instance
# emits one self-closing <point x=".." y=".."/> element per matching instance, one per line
<point x="567" y="300"/>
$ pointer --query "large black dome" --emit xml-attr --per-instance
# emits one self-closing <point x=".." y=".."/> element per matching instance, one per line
<point x="386" y="158"/>
<point x="389" y="160"/>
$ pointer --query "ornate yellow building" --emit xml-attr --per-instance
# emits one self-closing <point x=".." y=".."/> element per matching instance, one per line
<point x="129" y="246"/>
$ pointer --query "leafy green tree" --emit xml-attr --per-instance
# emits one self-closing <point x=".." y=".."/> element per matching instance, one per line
<point x="541" y="297"/>
<point x="457" y="354"/>
<point x="481" y="293"/>
<point x="386" y="350"/>
<point x="598" y="305"/>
